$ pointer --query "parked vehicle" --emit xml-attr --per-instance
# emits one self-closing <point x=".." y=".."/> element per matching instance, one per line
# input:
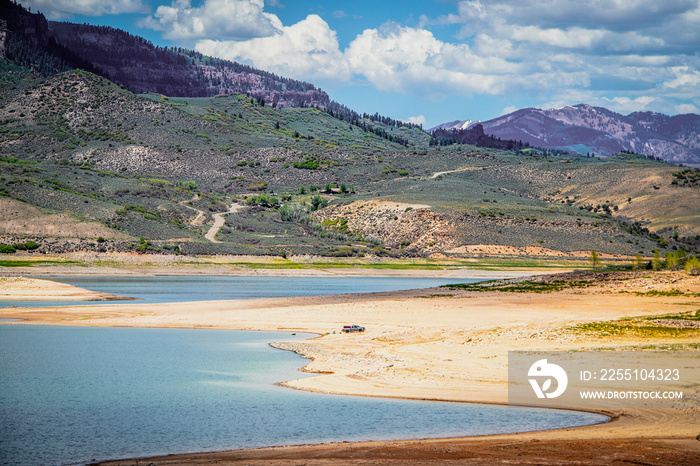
<point x="352" y="328"/>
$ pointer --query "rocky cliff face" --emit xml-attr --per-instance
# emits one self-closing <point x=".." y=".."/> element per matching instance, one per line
<point x="32" y="26"/>
<point x="3" y="38"/>
<point x="143" y="67"/>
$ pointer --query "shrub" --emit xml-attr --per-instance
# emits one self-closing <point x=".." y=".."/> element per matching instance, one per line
<point x="692" y="266"/>
<point x="259" y="186"/>
<point x="264" y="200"/>
<point x="318" y="202"/>
<point x="292" y="213"/>
<point x="7" y="249"/>
<point x="309" y="163"/>
<point x="340" y="251"/>
<point x="28" y="246"/>
<point x="672" y="260"/>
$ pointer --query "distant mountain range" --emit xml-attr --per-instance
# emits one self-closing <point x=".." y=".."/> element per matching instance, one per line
<point x="595" y="130"/>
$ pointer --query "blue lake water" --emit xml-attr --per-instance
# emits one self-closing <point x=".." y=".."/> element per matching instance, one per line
<point x="160" y="289"/>
<point x="69" y="395"/>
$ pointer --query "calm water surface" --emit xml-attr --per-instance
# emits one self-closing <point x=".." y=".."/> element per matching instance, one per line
<point x="187" y="288"/>
<point x="71" y="394"/>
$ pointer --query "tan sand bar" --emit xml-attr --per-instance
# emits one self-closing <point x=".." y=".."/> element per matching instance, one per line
<point x="33" y="289"/>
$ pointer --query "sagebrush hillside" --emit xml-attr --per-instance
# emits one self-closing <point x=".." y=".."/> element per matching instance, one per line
<point x="102" y="169"/>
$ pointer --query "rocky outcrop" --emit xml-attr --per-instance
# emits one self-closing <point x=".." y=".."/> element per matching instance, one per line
<point x="3" y="38"/>
<point x="33" y="26"/>
<point x="396" y="224"/>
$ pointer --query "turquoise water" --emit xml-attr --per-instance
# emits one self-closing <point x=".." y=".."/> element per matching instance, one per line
<point x="70" y="395"/>
<point x="187" y="288"/>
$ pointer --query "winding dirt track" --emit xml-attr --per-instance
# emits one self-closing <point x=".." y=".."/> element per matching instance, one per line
<point x="219" y="221"/>
<point x="199" y="218"/>
<point x="465" y="169"/>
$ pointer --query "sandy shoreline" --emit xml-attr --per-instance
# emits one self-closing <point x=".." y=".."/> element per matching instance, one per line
<point x="444" y="345"/>
<point x="29" y="289"/>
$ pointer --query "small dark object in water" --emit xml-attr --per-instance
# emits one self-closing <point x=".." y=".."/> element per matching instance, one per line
<point x="293" y="333"/>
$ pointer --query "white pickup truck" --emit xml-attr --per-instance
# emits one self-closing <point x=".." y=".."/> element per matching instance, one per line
<point x="352" y="328"/>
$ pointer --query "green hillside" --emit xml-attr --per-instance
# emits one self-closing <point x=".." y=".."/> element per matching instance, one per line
<point x="143" y="167"/>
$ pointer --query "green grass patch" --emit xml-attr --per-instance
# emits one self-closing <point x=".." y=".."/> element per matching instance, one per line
<point x="379" y="266"/>
<point x="16" y="161"/>
<point x="673" y="292"/>
<point x="670" y="347"/>
<point x="31" y="263"/>
<point x="268" y="265"/>
<point x="625" y="329"/>
<point x="682" y="316"/>
<point x="521" y="287"/>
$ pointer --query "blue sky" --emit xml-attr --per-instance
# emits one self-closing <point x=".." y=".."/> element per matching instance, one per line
<point x="434" y="61"/>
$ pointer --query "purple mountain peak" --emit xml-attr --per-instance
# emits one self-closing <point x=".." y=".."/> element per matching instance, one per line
<point x="583" y="129"/>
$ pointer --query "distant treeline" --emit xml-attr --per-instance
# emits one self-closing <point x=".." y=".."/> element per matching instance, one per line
<point x="475" y="136"/>
<point x="137" y="64"/>
<point x="343" y="113"/>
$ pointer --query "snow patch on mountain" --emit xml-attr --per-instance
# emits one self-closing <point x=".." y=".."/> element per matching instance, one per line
<point x="456" y="125"/>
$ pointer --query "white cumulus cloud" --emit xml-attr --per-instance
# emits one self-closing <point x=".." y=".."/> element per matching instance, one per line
<point x="628" y="105"/>
<point x="687" y="108"/>
<point x="416" y="120"/>
<point x="684" y="78"/>
<point x="413" y="61"/>
<point x="305" y="50"/>
<point x="229" y="19"/>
